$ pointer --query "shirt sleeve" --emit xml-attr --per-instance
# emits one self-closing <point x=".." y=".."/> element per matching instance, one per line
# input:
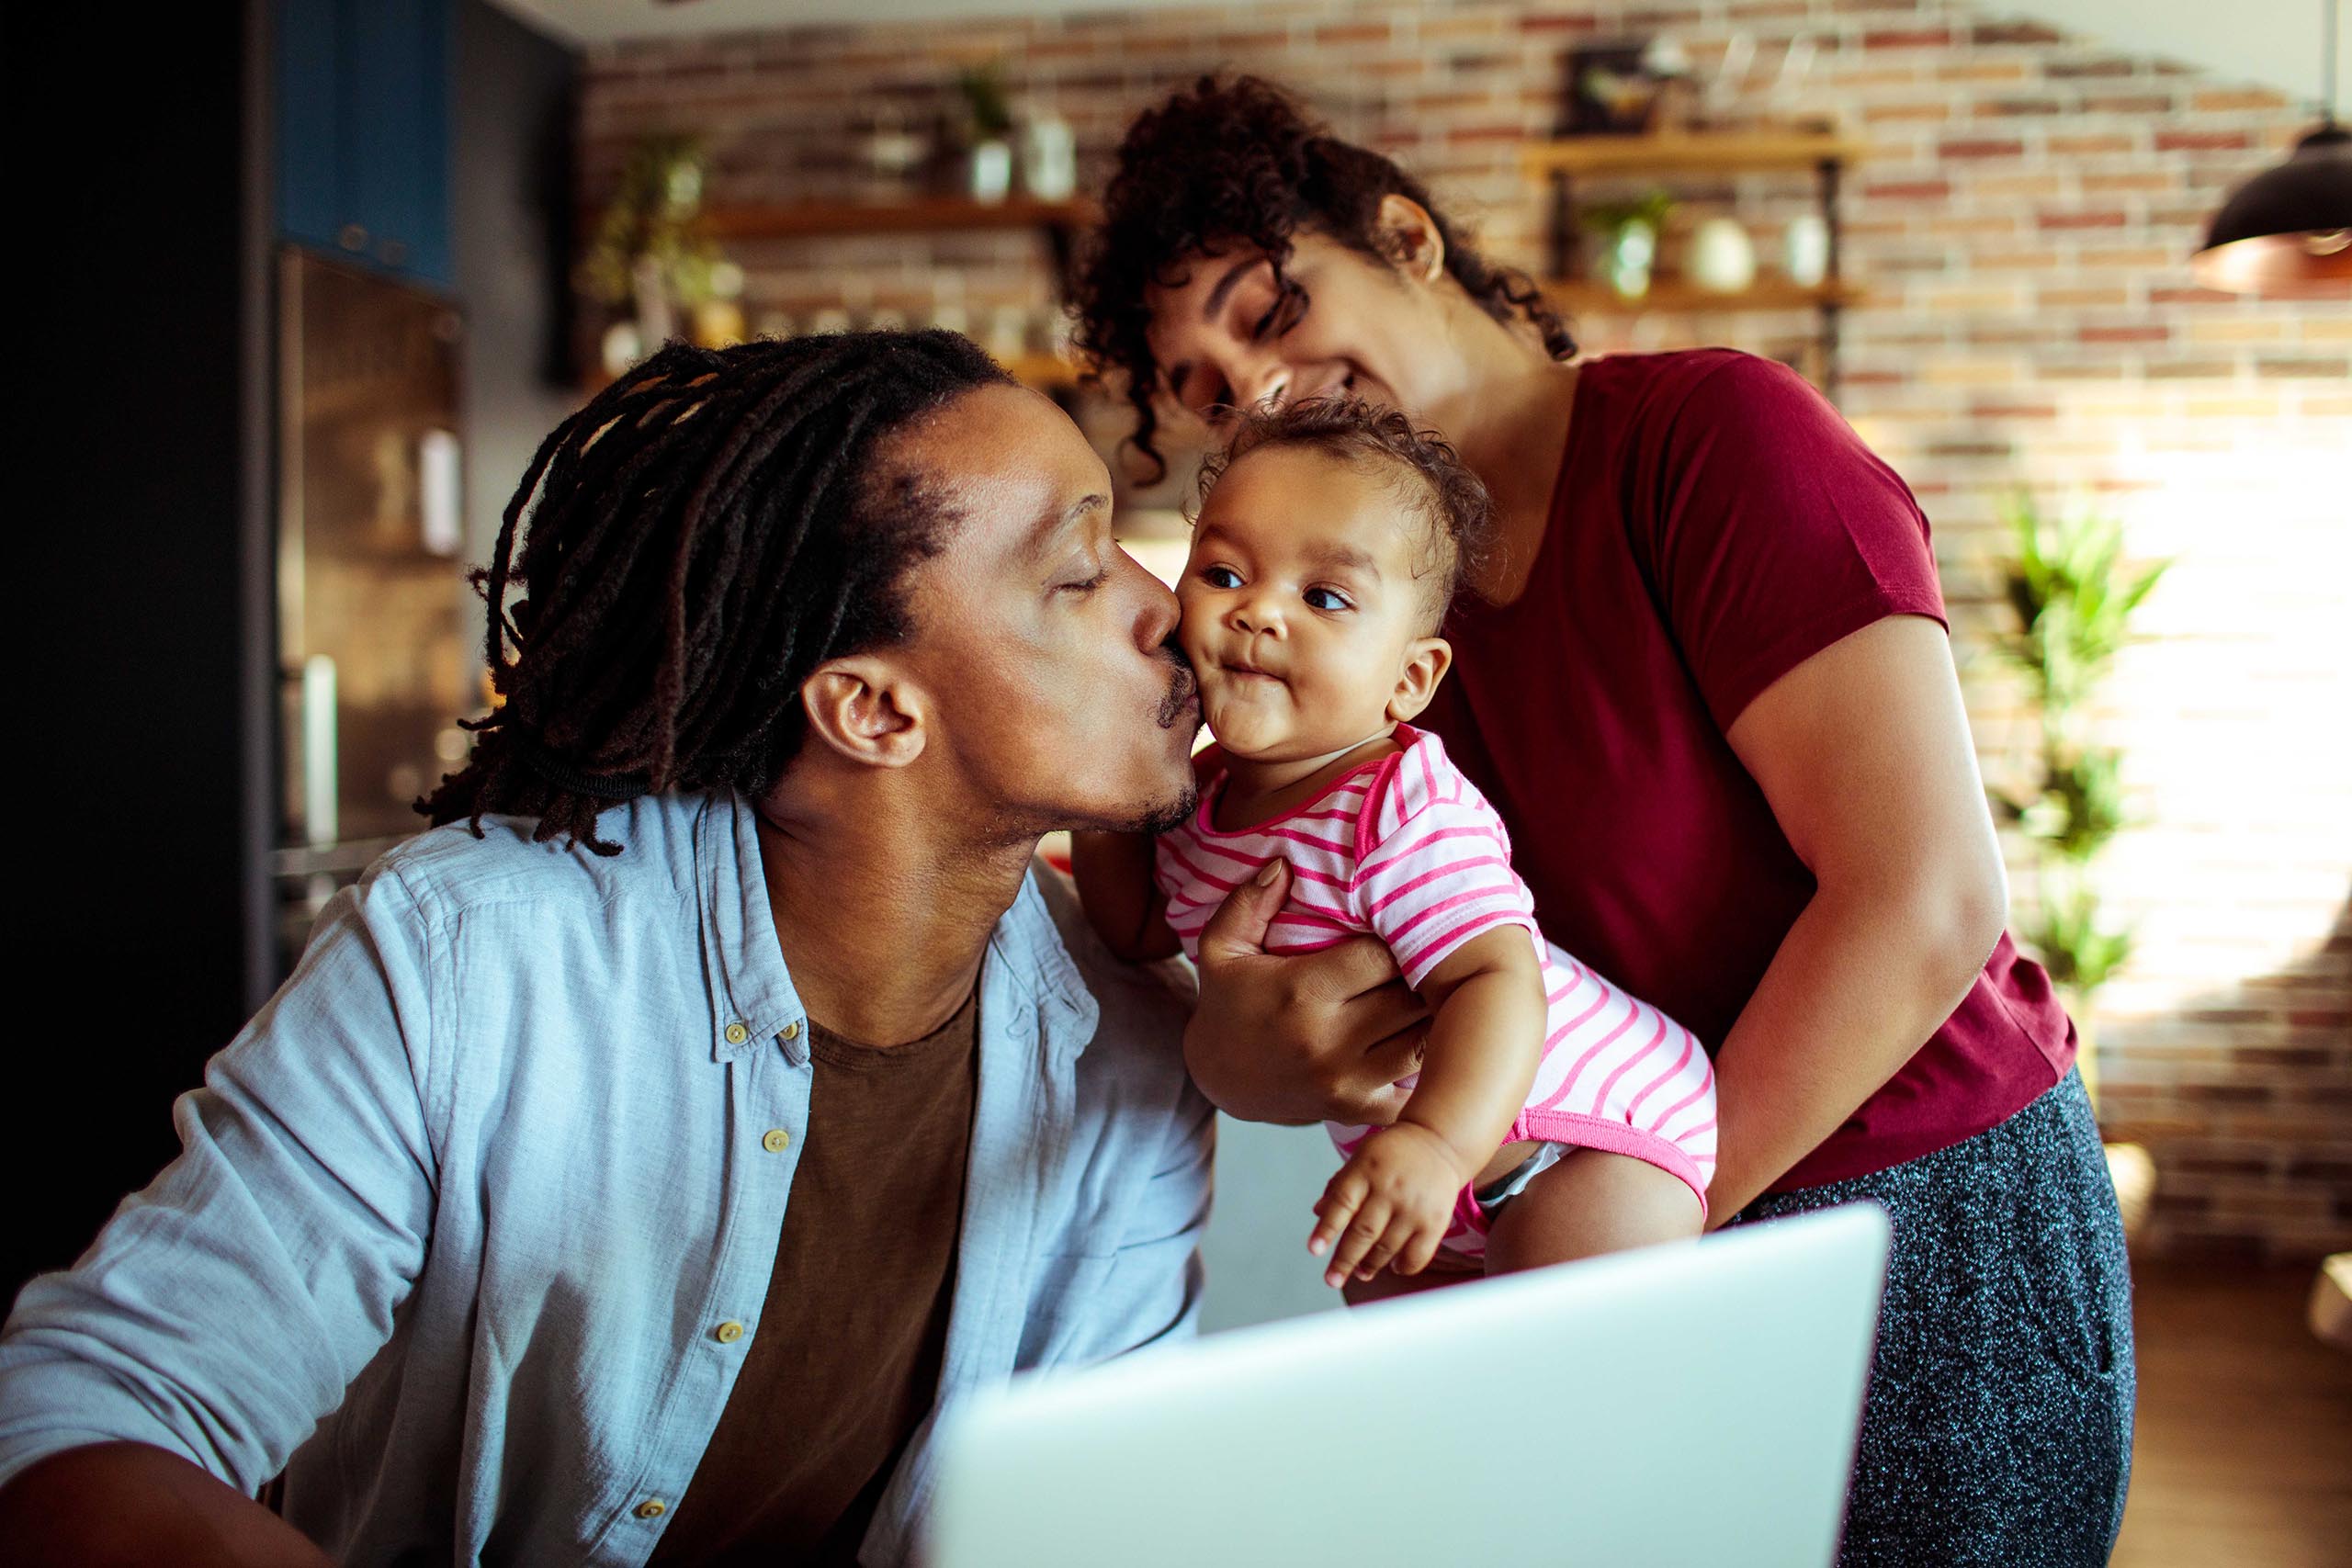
<point x="1152" y="1294"/>
<point x="224" y="1311"/>
<point x="1433" y="867"/>
<point x="1772" y="531"/>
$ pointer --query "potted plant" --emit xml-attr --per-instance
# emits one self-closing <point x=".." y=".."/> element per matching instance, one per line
<point x="2074" y="599"/>
<point x="988" y="132"/>
<point x="648" y="257"/>
<point x="1629" y="231"/>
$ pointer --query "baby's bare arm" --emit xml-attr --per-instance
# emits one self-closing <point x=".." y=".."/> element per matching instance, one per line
<point x="1394" y="1199"/>
<point x="1486" y="1042"/>
<point x="1122" y="902"/>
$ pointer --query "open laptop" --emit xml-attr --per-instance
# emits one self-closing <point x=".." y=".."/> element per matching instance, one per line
<point x="1683" y="1405"/>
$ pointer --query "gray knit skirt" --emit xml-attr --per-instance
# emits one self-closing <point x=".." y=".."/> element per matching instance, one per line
<point x="1997" y="1425"/>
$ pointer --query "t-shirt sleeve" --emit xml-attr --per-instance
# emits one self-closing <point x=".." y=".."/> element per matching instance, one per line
<point x="1434" y="868"/>
<point x="1771" y="530"/>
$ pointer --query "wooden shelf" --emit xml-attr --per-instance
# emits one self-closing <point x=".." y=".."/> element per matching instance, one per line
<point x="1058" y="221"/>
<point x="815" y="218"/>
<point x="1693" y="153"/>
<point x="1824" y="154"/>
<point x="1667" y="295"/>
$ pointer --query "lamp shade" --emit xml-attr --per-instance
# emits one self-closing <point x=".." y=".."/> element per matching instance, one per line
<point x="2287" y="230"/>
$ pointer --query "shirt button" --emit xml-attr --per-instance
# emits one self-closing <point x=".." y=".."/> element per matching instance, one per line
<point x="652" y="1508"/>
<point x="729" y="1332"/>
<point x="792" y="1032"/>
<point x="737" y="1035"/>
<point x="777" y="1141"/>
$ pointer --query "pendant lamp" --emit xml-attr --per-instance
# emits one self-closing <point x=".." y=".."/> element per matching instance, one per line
<point x="2289" y="229"/>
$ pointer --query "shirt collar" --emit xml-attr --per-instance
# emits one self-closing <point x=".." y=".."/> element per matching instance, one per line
<point x="1029" y="945"/>
<point x="751" y="989"/>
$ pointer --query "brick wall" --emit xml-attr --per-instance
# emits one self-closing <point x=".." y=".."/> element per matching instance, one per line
<point x="2023" y="224"/>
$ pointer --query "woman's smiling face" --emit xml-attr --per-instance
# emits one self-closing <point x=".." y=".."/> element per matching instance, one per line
<point x="1304" y="602"/>
<point x="1226" y="335"/>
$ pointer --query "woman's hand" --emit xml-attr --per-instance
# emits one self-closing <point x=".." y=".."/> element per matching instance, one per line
<point x="1317" y="1037"/>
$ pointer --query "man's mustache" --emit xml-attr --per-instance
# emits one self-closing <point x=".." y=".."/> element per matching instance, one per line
<point x="1183" y="685"/>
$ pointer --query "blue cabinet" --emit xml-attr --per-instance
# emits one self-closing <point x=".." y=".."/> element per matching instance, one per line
<point x="363" y="131"/>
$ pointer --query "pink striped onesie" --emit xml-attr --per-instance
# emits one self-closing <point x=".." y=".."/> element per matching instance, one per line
<point x="1406" y="848"/>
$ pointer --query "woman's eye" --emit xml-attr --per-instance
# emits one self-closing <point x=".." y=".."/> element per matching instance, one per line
<point x="1220" y="577"/>
<point x="1290" y="304"/>
<point x="1326" y="599"/>
<point x="1087" y="585"/>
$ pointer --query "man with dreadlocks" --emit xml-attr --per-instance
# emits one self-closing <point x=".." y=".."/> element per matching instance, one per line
<point x="633" y="1163"/>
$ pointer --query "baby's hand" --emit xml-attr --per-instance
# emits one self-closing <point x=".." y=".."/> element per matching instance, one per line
<point x="1392" y="1201"/>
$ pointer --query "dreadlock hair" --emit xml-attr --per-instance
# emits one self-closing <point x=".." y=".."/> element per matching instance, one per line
<point x="1448" y="501"/>
<point x="1239" y="164"/>
<point x="709" y="530"/>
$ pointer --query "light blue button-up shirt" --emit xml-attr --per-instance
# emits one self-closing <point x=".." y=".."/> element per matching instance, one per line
<point x="459" y="1214"/>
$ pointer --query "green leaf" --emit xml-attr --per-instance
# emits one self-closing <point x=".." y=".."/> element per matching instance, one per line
<point x="2072" y="601"/>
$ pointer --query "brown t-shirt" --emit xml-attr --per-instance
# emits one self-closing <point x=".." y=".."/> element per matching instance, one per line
<point x="844" y="1364"/>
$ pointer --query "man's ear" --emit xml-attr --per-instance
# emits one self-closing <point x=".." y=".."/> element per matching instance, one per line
<point x="1426" y="661"/>
<point x="866" y="709"/>
<point x="1408" y="234"/>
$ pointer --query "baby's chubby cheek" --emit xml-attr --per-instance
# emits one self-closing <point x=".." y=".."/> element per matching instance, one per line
<point x="1190" y="628"/>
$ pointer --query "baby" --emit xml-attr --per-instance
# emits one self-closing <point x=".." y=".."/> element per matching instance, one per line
<point x="1329" y="543"/>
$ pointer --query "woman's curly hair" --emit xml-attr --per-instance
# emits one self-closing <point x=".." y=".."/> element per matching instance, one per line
<point x="1239" y="162"/>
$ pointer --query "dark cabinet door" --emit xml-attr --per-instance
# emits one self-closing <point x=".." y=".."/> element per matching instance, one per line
<point x="363" y="131"/>
<point x="309" y="73"/>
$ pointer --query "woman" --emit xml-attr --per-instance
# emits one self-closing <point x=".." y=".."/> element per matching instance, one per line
<point x="1706" y="677"/>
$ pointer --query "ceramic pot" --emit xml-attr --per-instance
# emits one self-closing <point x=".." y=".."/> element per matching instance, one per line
<point x="1723" y="258"/>
<point x="988" y="171"/>
<point x="1633" y="248"/>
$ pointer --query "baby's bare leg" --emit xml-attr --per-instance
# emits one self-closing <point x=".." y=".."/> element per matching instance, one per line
<point x="1589" y="1203"/>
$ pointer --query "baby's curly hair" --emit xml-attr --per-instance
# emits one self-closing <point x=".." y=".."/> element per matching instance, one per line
<point x="1239" y="162"/>
<point x="1450" y="501"/>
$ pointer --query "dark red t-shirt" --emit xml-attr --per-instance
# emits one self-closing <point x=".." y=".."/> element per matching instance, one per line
<point x="1714" y="523"/>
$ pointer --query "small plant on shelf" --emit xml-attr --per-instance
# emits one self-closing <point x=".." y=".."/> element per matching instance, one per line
<point x="987" y="131"/>
<point x="1629" y="234"/>
<point x="649" y="257"/>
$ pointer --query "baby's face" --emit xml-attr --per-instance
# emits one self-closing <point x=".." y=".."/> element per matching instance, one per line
<point x="1302" y="611"/>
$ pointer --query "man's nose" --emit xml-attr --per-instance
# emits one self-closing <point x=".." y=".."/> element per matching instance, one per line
<point x="1156" y="622"/>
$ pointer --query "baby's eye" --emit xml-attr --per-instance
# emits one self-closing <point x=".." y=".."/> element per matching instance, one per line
<point x="1220" y="577"/>
<point x="1326" y="599"/>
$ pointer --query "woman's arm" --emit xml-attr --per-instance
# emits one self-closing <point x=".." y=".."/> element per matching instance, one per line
<point x="1863" y="753"/>
<point x="1122" y="902"/>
